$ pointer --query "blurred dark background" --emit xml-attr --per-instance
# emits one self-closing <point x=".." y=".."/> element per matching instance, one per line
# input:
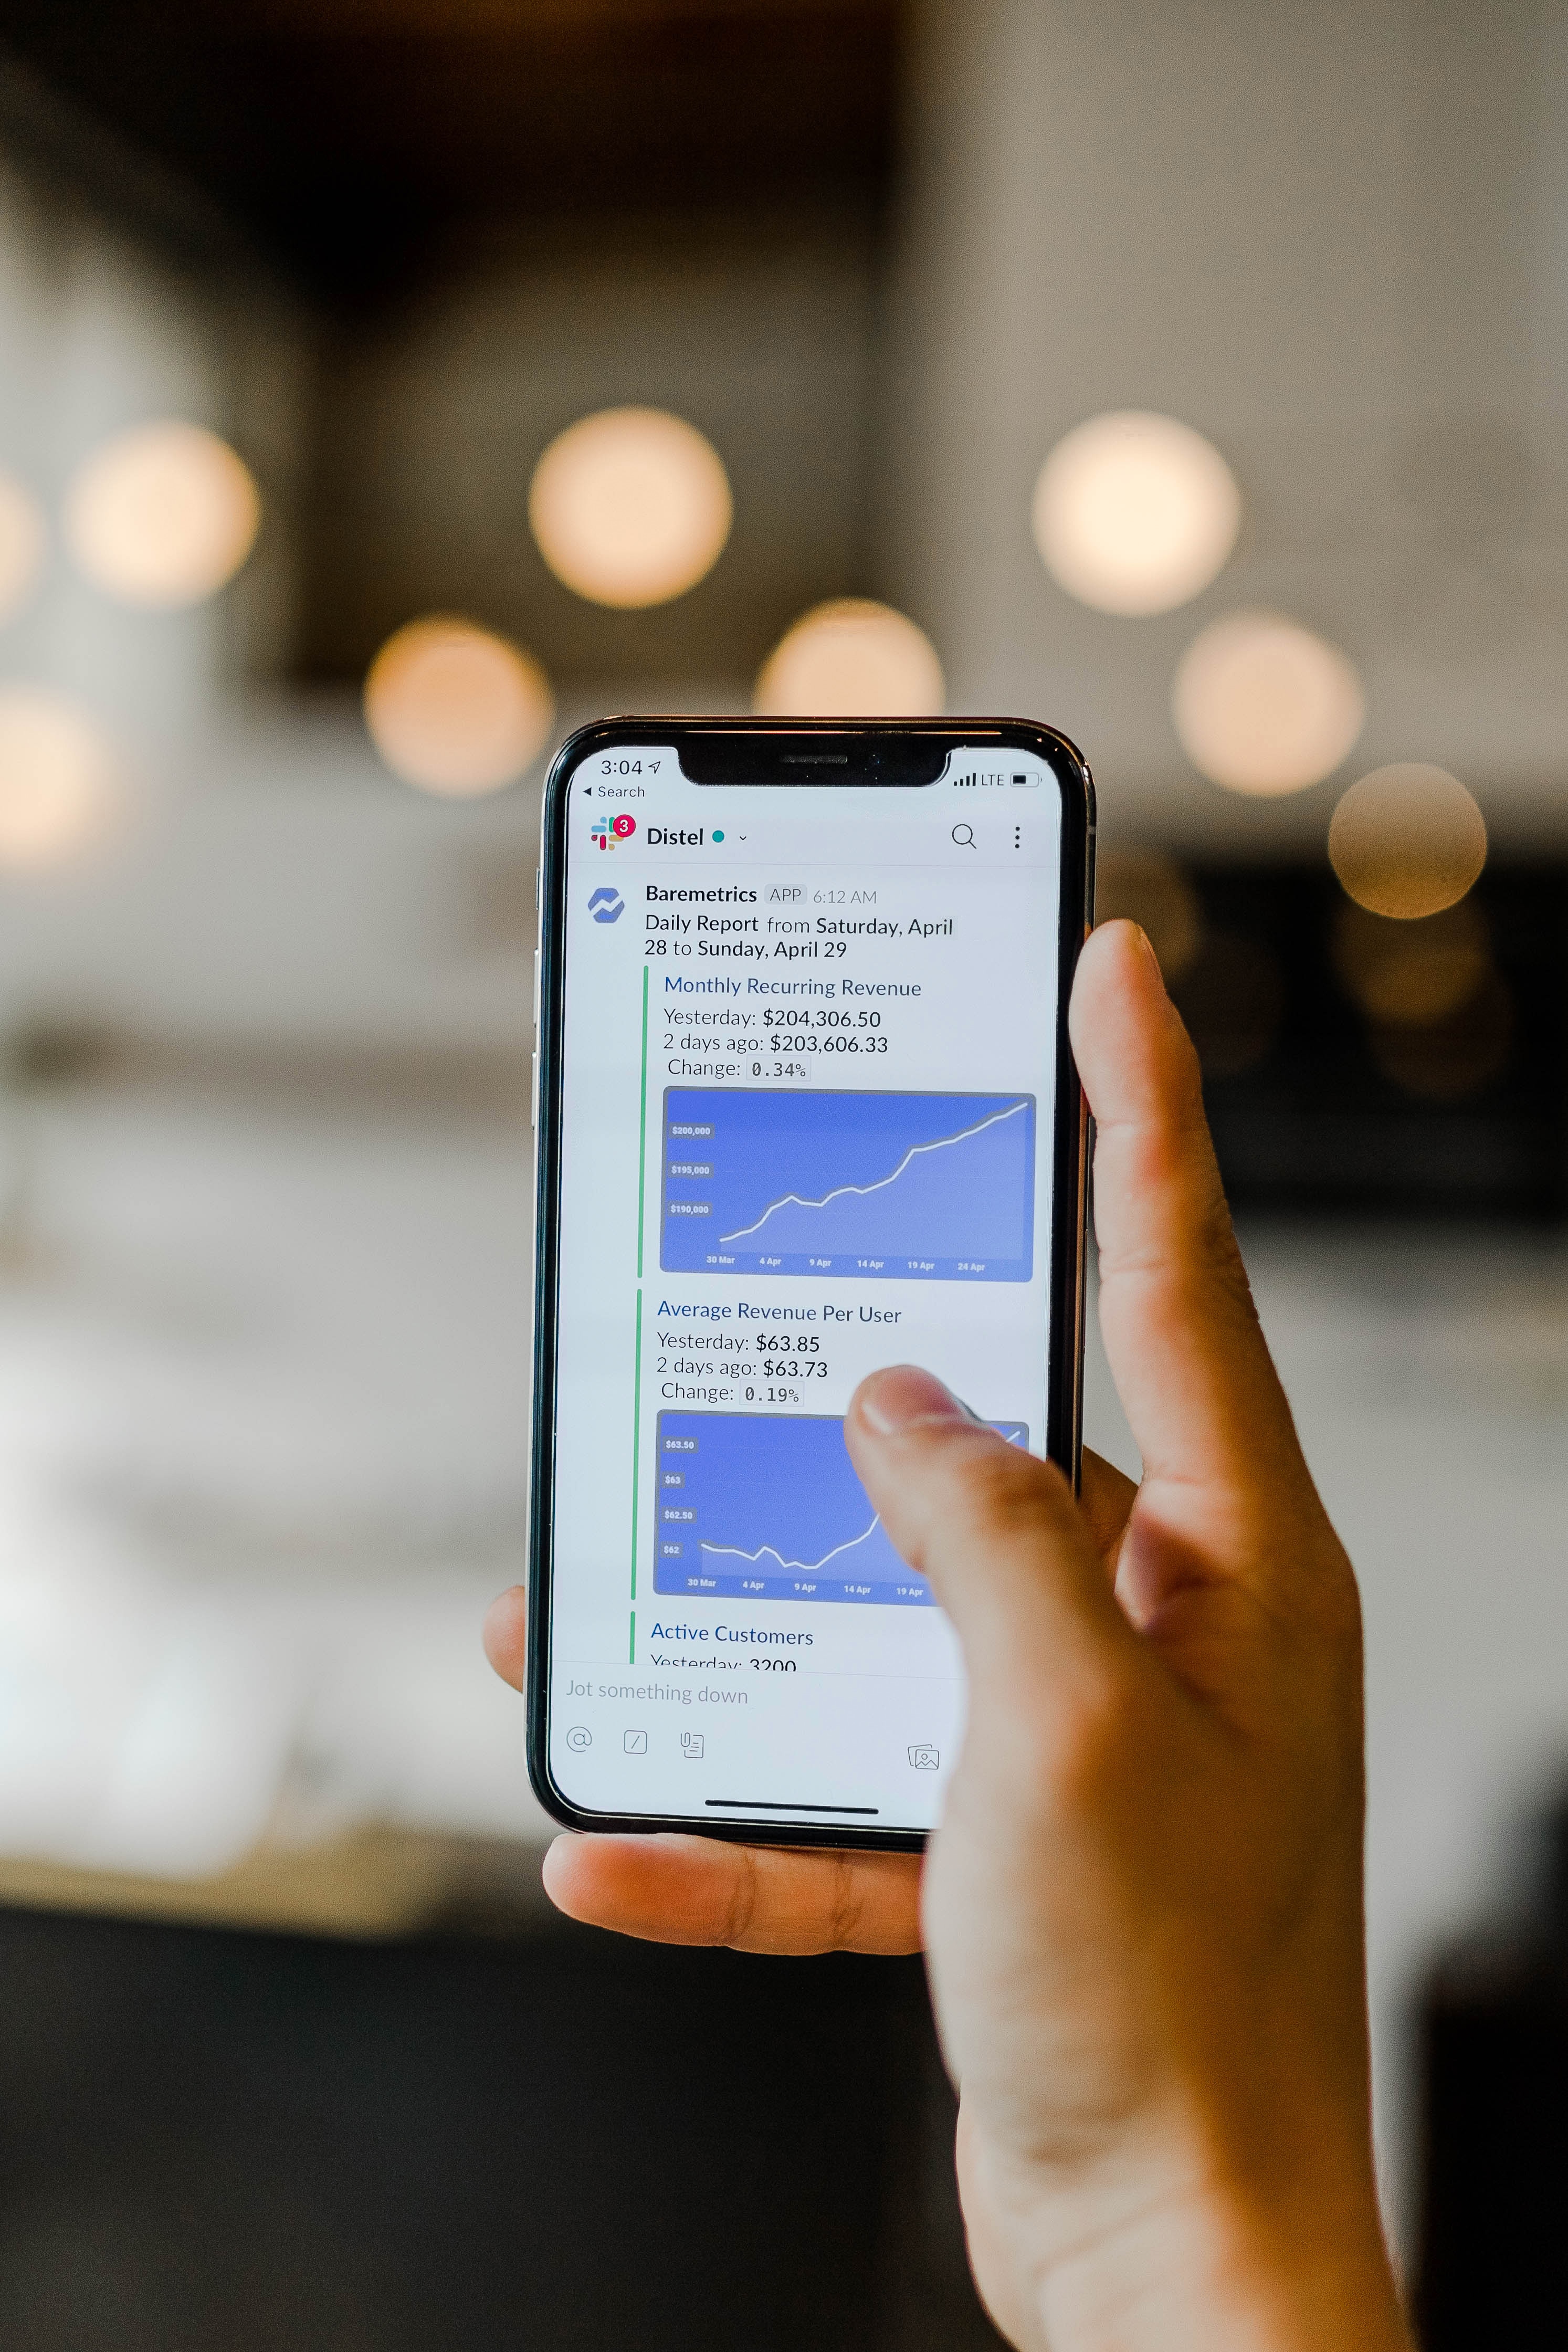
<point x="1494" y="2075"/>
<point x="295" y="300"/>
<point x="359" y="145"/>
<point x="465" y="2140"/>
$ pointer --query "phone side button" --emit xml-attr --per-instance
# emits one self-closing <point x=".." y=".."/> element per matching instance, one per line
<point x="537" y="955"/>
<point x="534" y="1095"/>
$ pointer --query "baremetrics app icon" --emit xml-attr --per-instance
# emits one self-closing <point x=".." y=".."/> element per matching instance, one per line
<point x="606" y="831"/>
<point x="607" y="905"/>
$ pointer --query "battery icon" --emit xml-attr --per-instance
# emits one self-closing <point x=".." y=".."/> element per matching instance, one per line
<point x="1028" y="783"/>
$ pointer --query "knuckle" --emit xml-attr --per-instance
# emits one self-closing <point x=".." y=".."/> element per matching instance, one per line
<point x="741" y="1910"/>
<point x="1307" y="1582"/>
<point x="1336" y="1608"/>
<point x="1070" y="1756"/>
<point x="1213" y="1233"/>
<point x="846" y="1906"/>
<point x="1097" y="1734"/>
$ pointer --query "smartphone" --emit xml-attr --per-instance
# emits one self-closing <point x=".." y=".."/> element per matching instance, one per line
<point x="805" y="1106"/>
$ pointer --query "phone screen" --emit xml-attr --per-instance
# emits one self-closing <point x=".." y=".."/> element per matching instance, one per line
<point x="806" y="1094"/>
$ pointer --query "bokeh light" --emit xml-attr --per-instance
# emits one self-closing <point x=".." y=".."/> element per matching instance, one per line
<point x="851" y="658"/>
<point x="455" y="709"/>
<point x="1407" y="841"/>
<point x="1410" y="976"/>
<point x="22" y="537"/>
<point x="1135" y="512"/>
<point x="1151" y="891"/>
<point x="1264" y="707"/>
<point x="56" y="778"/>
<point x="163" y="515"/>
<point x="631" y="507"/>
<point x="1232" y="999"/>
<point x="1444" y="1061"/>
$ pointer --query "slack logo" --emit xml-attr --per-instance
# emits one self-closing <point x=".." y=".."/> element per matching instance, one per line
<point x="607" y="905"/>
<point x="607" y="830"/>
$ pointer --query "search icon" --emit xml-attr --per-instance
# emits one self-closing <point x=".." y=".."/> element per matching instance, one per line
<point x="964" y="835"/>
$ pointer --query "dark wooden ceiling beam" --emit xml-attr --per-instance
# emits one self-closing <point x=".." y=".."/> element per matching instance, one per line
<point x="348" y="135"/>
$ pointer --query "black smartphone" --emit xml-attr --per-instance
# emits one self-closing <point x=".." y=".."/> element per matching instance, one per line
<point x="805" y="1106"/>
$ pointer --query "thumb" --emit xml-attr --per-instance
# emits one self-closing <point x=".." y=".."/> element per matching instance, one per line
<point x="998" y="1533"/>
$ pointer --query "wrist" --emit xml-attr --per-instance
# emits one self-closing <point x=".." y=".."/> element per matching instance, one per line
<point x="1182" y="2264"/>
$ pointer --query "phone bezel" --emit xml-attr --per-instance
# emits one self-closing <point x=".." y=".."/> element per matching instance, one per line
<point x="1069" y="1177"/>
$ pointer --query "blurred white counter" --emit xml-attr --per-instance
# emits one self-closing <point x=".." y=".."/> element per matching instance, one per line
<point x="262" y="1466"/>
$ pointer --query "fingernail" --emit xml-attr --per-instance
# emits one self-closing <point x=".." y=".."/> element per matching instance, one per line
<point x="904" y="1397"/>
<point x="1147" y="946"/>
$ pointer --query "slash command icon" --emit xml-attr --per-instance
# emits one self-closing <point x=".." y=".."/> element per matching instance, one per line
<point x="606" y="906"/>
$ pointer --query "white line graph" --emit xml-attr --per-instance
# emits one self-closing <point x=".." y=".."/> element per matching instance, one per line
<point x="942" y="1143"/>
<point x="803" y="1567"/>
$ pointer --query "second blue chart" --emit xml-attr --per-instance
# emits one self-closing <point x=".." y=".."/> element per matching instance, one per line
<point x="768" y="1507"/>
<point x="931" y="1186"/>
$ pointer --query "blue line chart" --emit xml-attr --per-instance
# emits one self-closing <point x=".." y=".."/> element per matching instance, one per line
<point x="924" y="1187"/>
<point x="766" y="1506"/>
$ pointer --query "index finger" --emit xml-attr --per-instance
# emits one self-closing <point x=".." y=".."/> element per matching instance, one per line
<point x="506" y="1633"/>
<point x="693" y="1890"/>
<point x="1182" y="1335"/>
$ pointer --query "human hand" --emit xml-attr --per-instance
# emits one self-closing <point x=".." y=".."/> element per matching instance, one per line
<point x="1143" y="1906"/>
<point x="691" y="1890"/>
<point x="672" y="1889"/>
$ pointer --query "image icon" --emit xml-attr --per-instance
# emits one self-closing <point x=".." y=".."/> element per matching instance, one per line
<point x="924" y="1757"/>
<point x="892" y="1186"/>
<point x="607" y="905"/>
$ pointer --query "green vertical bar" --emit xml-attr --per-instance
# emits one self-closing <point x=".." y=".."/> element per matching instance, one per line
<point x="637" y="1376"/>
<point x="636" y="1441"/>
<point x="643" y="1128"/>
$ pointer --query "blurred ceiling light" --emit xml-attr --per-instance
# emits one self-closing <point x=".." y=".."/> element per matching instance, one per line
<point x="851" y="658"/>
<point x="22" y="537"/>
<point x="1409" y="975"/>
<point x="1407" y="841"/>
<point x="631" y="507"/>
<point x="454" y="708"/>
<point x="1232" y="998"/>
<point x="1445" y="1060"/>
<point x="1135" y="512"/>
<point x="163" y="515"/>
<point x="1263" y="705"/>
<point x="1153" y="892"/>
<point x="56" y="778"/>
